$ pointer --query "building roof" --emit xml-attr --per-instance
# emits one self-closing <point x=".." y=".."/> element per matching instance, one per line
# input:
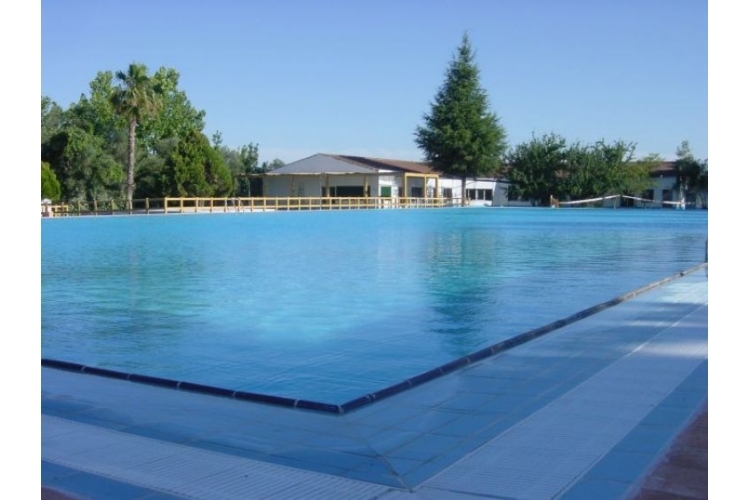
<point x="387" y="164"/>
<point x="664" y="168"/>
<point x="346" y="164"/>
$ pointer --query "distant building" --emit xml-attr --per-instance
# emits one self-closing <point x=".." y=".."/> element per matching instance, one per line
<point x="338" y="176"/>
<point x="347" y="176"/>
<point x="665" y="188"/>
<point x="664" y="177"/>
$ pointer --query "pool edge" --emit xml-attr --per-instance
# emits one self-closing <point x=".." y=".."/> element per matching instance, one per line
<point x="373" y="397"/>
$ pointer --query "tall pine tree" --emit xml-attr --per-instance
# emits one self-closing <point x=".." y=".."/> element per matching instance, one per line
<point x="460" y="136"/>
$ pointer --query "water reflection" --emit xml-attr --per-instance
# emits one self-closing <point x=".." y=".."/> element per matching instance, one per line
<point x="275" y="301"/>
<point x="461" y="275"/>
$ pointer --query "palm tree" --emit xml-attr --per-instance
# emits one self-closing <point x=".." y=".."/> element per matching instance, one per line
<point x="135" y="98"/>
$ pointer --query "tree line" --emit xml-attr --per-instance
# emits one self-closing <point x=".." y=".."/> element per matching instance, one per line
<point x="137" y="135"/>
<point x="462" y="137"/>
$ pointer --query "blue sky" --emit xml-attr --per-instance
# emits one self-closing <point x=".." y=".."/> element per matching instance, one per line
<point x="301" y="77"/>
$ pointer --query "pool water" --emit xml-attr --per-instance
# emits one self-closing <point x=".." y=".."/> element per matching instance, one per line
<point x="328" y="306"/>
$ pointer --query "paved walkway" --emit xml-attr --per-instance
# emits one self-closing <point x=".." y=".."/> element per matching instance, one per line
<point x="682" y="473"/>
<point x="586" y="411"/>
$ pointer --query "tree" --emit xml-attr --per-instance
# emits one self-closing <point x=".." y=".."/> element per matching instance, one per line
<point x="195" y="168"/>
<point x="52" y="118"/>
<point x="243" y="164"/>
<point x="461" y="137"/>
<point x="85" y="145"/>
<point x="691" y="173"/>
<point x="50" y="184"/>
<point x="151" y="178"/>
<point x="136" y="98"/>
<point x="600" y="170"/>
<point x="83" y="166"/>
<point x="176" y="115"/>
<point x="272" y="165"/>
<point x="637" y="178"/>
<point x="536" y="169"/>
<point x="546" y="167"/>
<point x="96" y="113"/>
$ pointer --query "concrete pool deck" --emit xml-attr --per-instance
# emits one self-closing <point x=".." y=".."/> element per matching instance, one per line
<point x="586" y="411"/>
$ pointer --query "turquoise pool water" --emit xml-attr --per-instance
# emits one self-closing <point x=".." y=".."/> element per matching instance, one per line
<point x="328" y="306"/>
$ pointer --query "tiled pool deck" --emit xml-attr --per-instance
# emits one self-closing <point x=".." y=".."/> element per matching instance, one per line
<point x="583" y="412"/>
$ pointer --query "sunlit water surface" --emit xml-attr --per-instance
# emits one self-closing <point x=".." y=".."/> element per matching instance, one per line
<point x="328" y="306"/>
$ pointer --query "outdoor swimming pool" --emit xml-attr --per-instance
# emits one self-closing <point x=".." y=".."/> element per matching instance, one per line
<point x="328" y="306"/>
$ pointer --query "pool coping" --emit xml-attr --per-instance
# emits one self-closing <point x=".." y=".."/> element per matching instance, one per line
<point x="381" y="394"/>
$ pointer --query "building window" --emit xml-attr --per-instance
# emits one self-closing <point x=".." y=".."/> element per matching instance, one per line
<point x="479" y="194"/>
<point x="417" y="192"/>
<point x="256" y="187"/>
<point x="344" y="191"/>
<point x="447" y="193"/>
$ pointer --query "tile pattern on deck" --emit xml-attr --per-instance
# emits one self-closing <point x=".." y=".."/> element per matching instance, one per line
<point x="546" y="418"/>
<point x="184" y="470"/>
<point x="541" y="456"/>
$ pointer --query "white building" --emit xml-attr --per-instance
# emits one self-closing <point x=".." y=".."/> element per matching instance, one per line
<point x="664" y="191"/>
<point x="337" y="176"/>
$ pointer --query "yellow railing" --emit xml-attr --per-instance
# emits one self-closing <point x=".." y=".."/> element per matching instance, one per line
<point x="219" y="205"/>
